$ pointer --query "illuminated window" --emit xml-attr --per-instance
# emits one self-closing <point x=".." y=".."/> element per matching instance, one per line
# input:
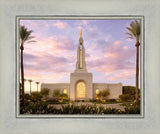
<point x="80" y="58"/>
<point x="65" y="91"/>
<point x="97" y="91"/>
<point x="81" y="89"/>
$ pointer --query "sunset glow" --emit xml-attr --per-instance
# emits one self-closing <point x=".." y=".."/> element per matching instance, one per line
<point x="110" y="55"/>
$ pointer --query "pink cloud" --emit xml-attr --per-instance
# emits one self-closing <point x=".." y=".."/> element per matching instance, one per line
<point x="85" y="22"/>
<point x="47" y="56"/>
<point x="60" y="24"/>
<point x="93" y="28"/>
<point x="52" y="46"/>
<point x="115" y="57"/>
<point x="117" y="42"/>
<point x="111" y="78"/>
<point x="80" y="27"/>
<point x="123" y="75"/>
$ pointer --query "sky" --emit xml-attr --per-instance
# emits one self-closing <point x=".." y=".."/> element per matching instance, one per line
<point x="109" y="54"/>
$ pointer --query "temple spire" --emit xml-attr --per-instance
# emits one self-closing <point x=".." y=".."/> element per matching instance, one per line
<point x="81" y="33"/>
<point x="80" y="64"/>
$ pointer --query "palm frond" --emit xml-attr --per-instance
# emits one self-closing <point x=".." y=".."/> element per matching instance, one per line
<point x="25" y="35"/>
<point x="134" y="30"/>
<point x="131" y="31"/>
<point x="31" y="41"/>
<point x="130" y="35"/>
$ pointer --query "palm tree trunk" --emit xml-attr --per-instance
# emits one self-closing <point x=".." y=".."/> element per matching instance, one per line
<point x="30" y="88"/>
<point x="137" y="70"/>
<point x="22" y="74"/>
<point x="37" y="87"/>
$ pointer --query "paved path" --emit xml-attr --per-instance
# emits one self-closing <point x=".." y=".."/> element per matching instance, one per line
<point x="116" y="105"/>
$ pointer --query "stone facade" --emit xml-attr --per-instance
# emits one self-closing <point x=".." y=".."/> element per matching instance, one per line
<point x="87" y="79"/>
<point x="81" y="86"/>
<point x="114" y="89"/>
<point x="54" y="86"/>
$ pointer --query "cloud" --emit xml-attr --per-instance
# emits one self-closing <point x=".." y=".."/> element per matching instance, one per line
<point x="66" y="44"/>
<point x="47" y="67"/>
<point x="54" y="55"/>
<point x="60" y="24"/>
<point x="92" y="28"/>
<point x="50" y="55"/>
<point x="51" y="45"/>
<point x="80" y="27"/>
<point x="115" y="58"/>
<point x="85" y="22"/>
<point x="123" y="75"/>
<point x="46" y="62"/>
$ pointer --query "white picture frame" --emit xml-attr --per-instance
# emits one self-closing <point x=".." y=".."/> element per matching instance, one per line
<point x="9" y="123"/>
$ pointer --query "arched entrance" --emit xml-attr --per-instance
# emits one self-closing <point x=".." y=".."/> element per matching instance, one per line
<point x="81" y="90"/>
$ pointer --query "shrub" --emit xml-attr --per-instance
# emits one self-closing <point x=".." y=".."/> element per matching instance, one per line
<point x="105" y="93"/>
<point x="44" y="108"/>
<point x="99" y="95"/>
<point x="52" y="100"/>
<point x="82" y="109"/>
<point x="110" y="100"/>
<point x="88" y="109"/>
<point x="111" y="111"/>
<point x="125" y="97"/>
<point x="131" y="90"/>
<point x="39" y="108"/>
<point x="27" y="97"/>
<point x="94" y="100"/>
<point x="36" y="96"/>
<point x="45" y="92"/>
<point x="133" y="108"/>
<point x="64" y="96"/>
<point x="56" y="93"/>
<point x="77" y="101"/>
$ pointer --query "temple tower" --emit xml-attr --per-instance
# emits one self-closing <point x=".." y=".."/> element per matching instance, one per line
<point x="81" y="80"/>
<point x="81" y="64"/>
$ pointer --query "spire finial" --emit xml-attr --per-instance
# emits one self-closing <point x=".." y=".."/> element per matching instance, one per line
<point x="81" y="33"/>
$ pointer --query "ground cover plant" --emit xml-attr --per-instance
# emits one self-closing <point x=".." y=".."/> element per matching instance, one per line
<point x="41" y="107"/>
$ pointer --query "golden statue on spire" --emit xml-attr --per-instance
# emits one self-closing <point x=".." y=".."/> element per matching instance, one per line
<point x="81" y="33"/>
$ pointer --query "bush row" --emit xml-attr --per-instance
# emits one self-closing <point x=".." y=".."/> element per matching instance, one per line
<point x="45" y="108"/>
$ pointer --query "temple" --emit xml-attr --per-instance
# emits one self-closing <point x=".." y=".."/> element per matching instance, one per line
<point x="81" y="86"/>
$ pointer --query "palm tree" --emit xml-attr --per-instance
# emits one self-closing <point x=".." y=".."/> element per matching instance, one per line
<point x="37" y="85"/>
<point x="134" y="33"/>
<point x="30" y="81"/>
<point x="25" y="36"/>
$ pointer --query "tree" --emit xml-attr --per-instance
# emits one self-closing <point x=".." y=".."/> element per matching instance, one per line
<point x="36" y="96"/>
<point x="99" y="95"/>
<point x="134" y="33"/>
<point x="64" y="96"/>
<point x="37" y="85"/>
<point x="56" y="93"/>
<point x="25" y="36"/>
<point x="131" y="90"/>
<point x="105" y="93"/>
<point x="125" y="97"/>
<point x="30" y="81"/>
<point x="45" y="92"/>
